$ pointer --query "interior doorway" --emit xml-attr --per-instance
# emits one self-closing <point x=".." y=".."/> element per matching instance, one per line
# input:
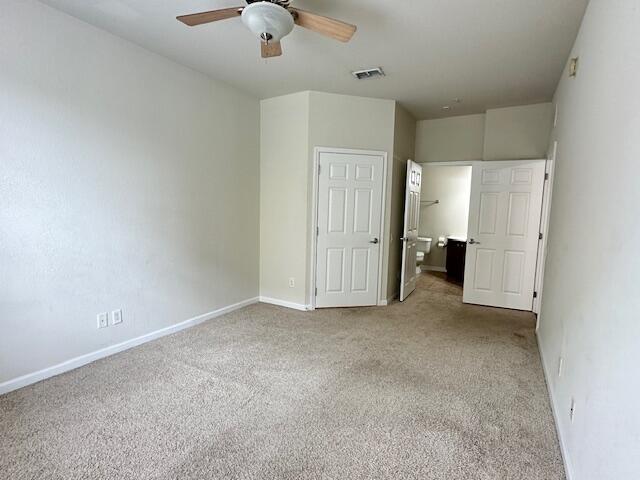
<point x="444" y="218"/>
<point x="479" y="228"/>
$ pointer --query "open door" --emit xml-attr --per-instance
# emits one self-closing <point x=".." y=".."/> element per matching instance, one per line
<point x="410" y="233"/>
<point x="504" y="222"/>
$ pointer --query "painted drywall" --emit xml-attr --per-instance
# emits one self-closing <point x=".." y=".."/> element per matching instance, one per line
<point x="451" y="186"/>
<point x="450" y="139"/>
<point x="404" y="140"/>
<point x="284" y="165"/>
<point x="590" y="304"/>
<point x="500" y="134"/>
<point x="517" y="132"/>
<point x="128" y="182"/>
<point x="354" y="122"/>
<point x="291" y="127"/>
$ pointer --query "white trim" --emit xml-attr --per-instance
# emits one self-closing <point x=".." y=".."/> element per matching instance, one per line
<point x="76" y="362"/>
<point x="461" y="163"/>
<point x="430" y="268"/>
<point x="314" y="217"/>
<point x="314" y="225"/>
<point x="564" y="451"/>
<point x="284" y="303"/>
<point x="545" y="217"/>
<point x="386" y="301"/>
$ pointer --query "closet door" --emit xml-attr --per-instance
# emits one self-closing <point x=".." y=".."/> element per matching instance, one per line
<point x="349" y="223"/>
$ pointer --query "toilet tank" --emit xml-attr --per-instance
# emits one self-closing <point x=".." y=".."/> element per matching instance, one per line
<point x="424" y="244"/>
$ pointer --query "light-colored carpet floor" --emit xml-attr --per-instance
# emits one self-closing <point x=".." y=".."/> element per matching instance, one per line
<point x="427" y="389"/>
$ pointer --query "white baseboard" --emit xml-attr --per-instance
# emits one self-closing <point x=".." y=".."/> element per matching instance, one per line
<point x="76" y="362"/>
<point x="387" y="301"/>
<point x="430" y="268"/>
<point x="284" y="303"/>
<point x="568" y="468"/>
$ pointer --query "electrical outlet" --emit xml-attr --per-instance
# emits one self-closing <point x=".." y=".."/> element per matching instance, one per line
<point x="572" y="410"/>
<point x="116" y="317"/>
<point x="103" y="320"/>
<point x="560" y="365"/>
<point x="292" y="282"/>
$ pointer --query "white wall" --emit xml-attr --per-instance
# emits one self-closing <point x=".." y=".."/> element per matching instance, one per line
<point x="500" y="134"/>
<point x="284" y="146"/>
<point x="517" y="132"/>
<point x="451" y="185"/>
<point x="590" y="304"/>
<point x="450" y="139"/>
<point x="292" y="126"/>
<point x="354" y="122"/>
<point x="127" y="182"/>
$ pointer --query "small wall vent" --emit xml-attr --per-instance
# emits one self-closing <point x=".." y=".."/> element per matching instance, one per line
<point x="368" y="73"/>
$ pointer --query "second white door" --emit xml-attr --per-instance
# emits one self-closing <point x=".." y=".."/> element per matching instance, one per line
<point x="504" y="221"/>
<point x="413" y="185"/>
<point x="349" y="229"/>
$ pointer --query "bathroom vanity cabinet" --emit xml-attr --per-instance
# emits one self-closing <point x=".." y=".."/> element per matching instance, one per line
<point x="456" y="252"/>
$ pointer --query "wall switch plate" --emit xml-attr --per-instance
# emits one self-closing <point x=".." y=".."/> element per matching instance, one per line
<point x="292" y="282"/>
<point x="116" y="317"/>
<point x="103" y="320"/>
<point x="560" y="365"/>
<point x="572" y="410"/>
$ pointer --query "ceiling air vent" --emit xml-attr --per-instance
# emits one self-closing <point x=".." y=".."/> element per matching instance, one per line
<point x="369" y="73"/>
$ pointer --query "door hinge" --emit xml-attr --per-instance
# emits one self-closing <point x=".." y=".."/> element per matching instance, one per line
<point x="316" y="291"/>
<point x="318" y="169"/>
<point x="540" y="236"/>
<point x="317" y="231"/>
<point x="546" y="176"/>
<point x="535" y="294"/>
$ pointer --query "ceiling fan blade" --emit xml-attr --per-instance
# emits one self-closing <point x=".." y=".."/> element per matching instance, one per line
<point x="326" y="26"/>
<point x="208" y="17"/>
<point x="271" y="49"/>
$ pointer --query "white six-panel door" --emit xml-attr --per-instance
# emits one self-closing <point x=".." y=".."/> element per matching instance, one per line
<point x="410" y="232"/>
<point x="502" y="245"/>
<point x="348" y="216"/>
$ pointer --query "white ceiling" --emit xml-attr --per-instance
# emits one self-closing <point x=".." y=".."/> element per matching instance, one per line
<point x="489" y="53"/>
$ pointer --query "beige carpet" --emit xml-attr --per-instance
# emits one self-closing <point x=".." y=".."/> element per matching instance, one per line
<point x="428" y="389"/>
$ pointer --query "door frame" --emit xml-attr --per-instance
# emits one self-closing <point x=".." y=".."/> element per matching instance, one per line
<point x="313" y="240"/>
<point x="545" y="218"/>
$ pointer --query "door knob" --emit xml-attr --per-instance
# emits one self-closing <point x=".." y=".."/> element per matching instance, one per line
<point x="473" y="242"/>
<point x="375" y="240"/>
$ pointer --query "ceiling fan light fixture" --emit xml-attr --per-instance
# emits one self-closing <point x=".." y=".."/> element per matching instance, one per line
<point x="268" y="21"/>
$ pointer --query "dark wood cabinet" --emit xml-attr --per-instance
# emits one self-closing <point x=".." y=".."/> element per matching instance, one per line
<point x="456" y="252"/>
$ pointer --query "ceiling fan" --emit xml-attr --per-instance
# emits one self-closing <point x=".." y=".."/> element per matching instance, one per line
<point x="271" y="20"/>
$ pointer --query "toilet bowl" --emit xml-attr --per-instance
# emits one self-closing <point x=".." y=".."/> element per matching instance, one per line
<point x="424" y="247"/>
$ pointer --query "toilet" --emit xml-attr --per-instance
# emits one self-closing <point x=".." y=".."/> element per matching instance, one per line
<point x="424" y="247"/>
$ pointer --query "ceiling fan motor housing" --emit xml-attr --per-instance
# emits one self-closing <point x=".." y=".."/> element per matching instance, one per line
<point x="268" y="21"/>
